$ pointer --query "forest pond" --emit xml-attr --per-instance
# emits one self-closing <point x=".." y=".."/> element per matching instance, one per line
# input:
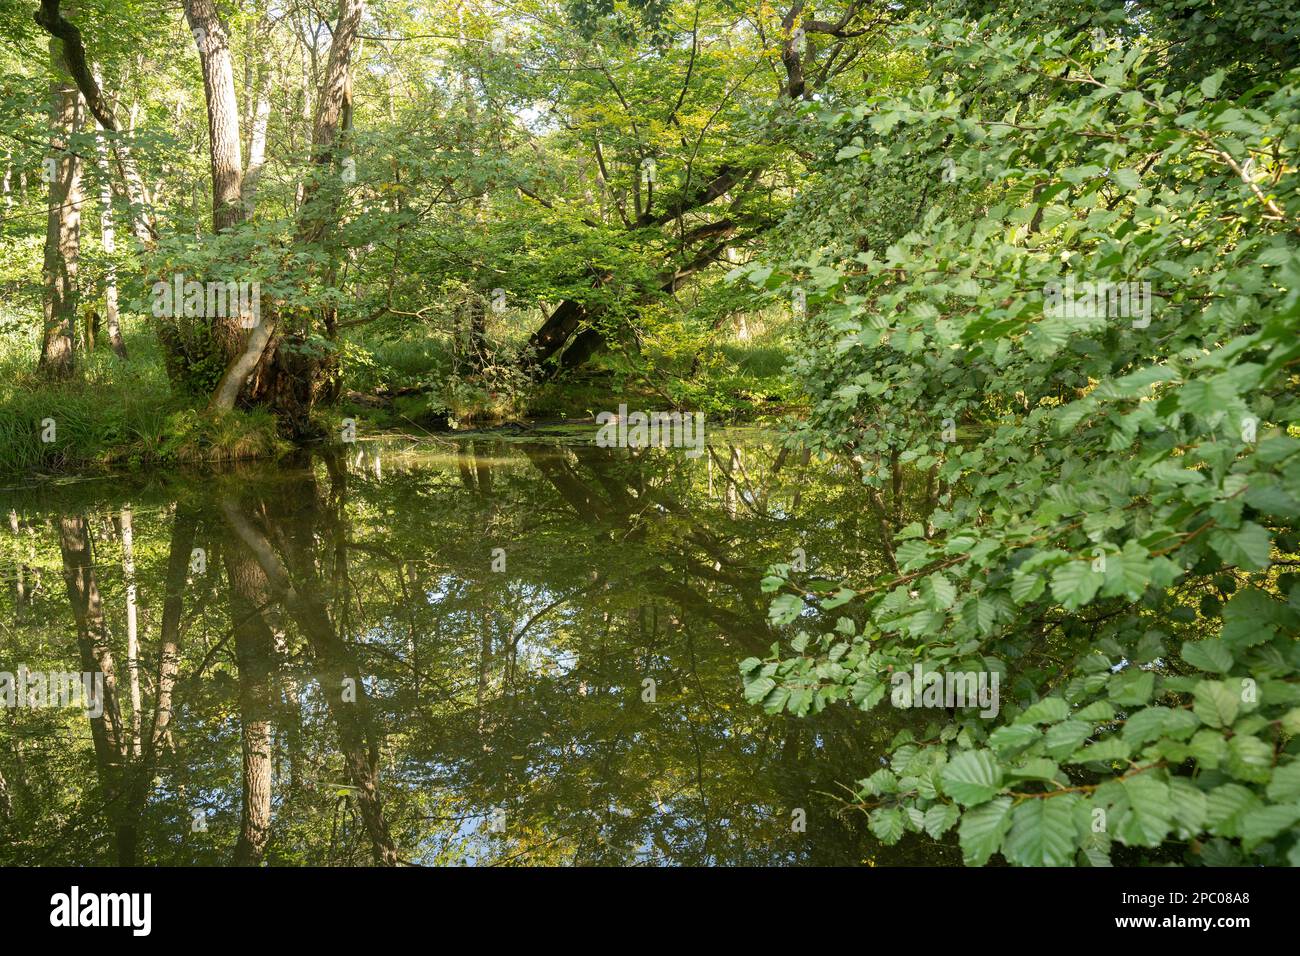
<point x="477" y="650"/>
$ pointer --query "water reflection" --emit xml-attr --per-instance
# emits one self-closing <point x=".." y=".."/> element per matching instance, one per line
<point x="481" y="651"/>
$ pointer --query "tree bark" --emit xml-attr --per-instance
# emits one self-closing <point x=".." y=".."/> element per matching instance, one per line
<point x="224" y="152"/>
<point x="108" y="237"/>
<point x="223" y="113"/>
<point x="63" y="224"/>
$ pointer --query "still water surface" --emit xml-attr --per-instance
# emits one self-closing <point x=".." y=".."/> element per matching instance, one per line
<point x="471" y="651"/>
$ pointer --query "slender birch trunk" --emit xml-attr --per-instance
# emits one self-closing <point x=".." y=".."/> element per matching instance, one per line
<point x="108" y="238"/>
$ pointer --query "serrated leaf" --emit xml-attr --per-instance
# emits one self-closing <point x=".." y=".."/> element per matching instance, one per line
<point x="1225" y="806"/>
<point x="1215" y="703"/>
<point x="971" y="777"/>
<point x="1013" y="736"/>
<point x="1042" y="832"/>
<point x="1285" y="785"/>
<point x="1210" y="654"/>
<point x="1097" y="712"/>
<point x="1026" y="587"/>
<point x="940" y="818"/>
<point x="1075" y="583"/>
<point x="1106" y="751"/>
<point x="1146" y="724"/>
<point x="886" y="823"/>
<point x="1189" y="805"/>
<point x="1065" y="738"/>
<point x="1148" y="811"/>
<point x="1249" y="758"/>
<point x="1265" y="823"/>
<point x="1249" y="546"/>
<point x="982" y="829"/>
<point x="1131" y="687"/>
<point x="785" y="608"/>
<point x="1046" y="711"/>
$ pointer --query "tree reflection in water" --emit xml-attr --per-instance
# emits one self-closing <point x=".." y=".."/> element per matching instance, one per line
<point x="332" y="672"/>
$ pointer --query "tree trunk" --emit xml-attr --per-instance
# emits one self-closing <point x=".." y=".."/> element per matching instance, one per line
<point x="224" y="151"/>
<point x="290" y="381"/>
<point x="169" y="660"/>
<point x="74" y="56"/>
<point x="259" y="81"/>
<point x="223" y="114"/>
<point x="92" y="641"/>
<point x="63" y="224"/>
<point x="250" y="596"/>
<point x="108" y="237"/>
<point x="295" y="580"/>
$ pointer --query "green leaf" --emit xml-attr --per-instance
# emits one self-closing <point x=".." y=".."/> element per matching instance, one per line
<point x="1265" y="823"/>
<point x="1225" y="806"/>
<point x="1148" y="811"/>
<point x="1210" y="654"/>
<point x="1285" y="785"/>
<point x="1146" y="724"/>
<point x="1065" y="738"/>
<point x="1249" y="758"/>
<point x="1105" y="751"/>
<point x="785" y="608"/>
<point x="1249" y="546"/>
<point x="1291" y="721"/>
<point x="982" y="829"/>
<point x="1046" y="711"/>
<point x="1126" y="179"/>
<point x="940" y="818"/>
<point x="1208" y="748"/>
<point x="1215" y="703"/>
<point x="972" y="777"/>
<point x="1131" y="687"/>
<point x="1035" y="768"/>
<point x="1189" y="805"/>
<point x="1013" y="736"/>
<point x="887" y="824"/>
<point x="1250" y="618"/>
<point x="882" y="781"/>
<point x="758" y="688"/>
<point x="1026" y="587"/>
<point x="1042" y="832"/>
<point x="942" y="591"/>
<point x="1075" y="583"/>
<point x="1097" y="712"/>
<point x="840" y="597"/>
